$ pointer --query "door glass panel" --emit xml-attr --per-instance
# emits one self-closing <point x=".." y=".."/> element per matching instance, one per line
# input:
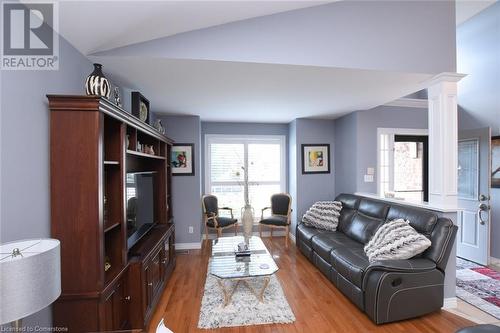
<point x="468" y="171"/>
<point x="408" y="170"/>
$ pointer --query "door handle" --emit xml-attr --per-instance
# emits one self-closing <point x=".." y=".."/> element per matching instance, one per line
<point x="482" y="208"/>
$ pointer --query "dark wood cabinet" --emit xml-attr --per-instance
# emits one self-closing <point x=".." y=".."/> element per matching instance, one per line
<point x="116" y="307"/>
<point x="151" y="269"/>
<point x="105" y="285"/>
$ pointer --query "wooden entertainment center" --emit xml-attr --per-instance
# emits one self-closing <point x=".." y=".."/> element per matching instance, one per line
<point x="105" y="285"/>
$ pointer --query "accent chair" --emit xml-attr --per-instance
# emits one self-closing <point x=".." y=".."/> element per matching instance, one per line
<point x="212" y="218"/>
<point x="281" y="209"/>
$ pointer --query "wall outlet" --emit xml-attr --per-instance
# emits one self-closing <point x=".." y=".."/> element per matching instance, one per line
<point x="370" y="171"/>
<point x="368" y="178"/>
<point x="190" y="229"/>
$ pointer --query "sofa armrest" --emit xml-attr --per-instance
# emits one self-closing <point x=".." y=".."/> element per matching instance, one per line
<point x="417" y="265"/>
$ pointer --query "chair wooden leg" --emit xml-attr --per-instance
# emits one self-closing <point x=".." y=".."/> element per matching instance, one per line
<point x="271" y="232"/>
<point x="236" y="229"/>
<point x="219" y="232"/>
<point x="286" y="236"/>
<point x="260" y="230"/>
<point x="206" y="232"/>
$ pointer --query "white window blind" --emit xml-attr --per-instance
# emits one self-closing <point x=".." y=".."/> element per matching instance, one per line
<point x="227" y="157"/>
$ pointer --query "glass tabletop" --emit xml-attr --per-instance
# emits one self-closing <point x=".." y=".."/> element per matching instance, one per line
<point x="225" y="265"/>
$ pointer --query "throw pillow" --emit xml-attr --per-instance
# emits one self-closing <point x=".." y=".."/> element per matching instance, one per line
<point x="323" y="215"/>
<point x="396" y="240"/>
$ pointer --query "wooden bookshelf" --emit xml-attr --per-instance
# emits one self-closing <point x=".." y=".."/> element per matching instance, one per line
<point x="93" y="144"/>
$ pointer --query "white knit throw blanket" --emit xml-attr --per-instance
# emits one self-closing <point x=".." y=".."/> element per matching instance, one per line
<point x="396" y="240"/>
<point x="323" y="215"/>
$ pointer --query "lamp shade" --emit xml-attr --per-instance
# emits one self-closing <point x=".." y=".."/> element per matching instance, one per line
<point x="30" y="277"/>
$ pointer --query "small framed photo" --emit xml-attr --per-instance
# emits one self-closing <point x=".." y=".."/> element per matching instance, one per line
<point x="140" y="107"/>
<point x="315" y="158"/>
<point x="182" y="159"/>
<point x="495" y="161"/>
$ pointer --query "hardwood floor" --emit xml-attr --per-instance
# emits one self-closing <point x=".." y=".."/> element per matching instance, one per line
<point x="318" y="306"/>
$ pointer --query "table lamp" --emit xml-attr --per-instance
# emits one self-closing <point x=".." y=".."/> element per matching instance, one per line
<point x="30" y="278"/>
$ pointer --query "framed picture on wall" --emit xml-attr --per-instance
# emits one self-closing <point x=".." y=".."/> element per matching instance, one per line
<point x="495" y="161"/>
<point x="315" y="158"/>
<point x="182" y="159"/>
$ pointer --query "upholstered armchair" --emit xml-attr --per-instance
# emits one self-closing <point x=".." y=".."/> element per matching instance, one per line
<point x="212" y="218"/>
<point x="280" y="214"/>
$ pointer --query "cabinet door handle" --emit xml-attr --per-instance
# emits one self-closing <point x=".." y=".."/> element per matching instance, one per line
<point x="164" y="261"/>
<point x="150" y="284"/>
<point x="127" y="298"/>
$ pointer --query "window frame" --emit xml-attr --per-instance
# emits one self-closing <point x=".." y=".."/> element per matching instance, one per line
<point x="245" y="140"/>
<point x="391" y="133"/>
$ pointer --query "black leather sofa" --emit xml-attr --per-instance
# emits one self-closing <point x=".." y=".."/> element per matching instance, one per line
<point x="388" y="290"/>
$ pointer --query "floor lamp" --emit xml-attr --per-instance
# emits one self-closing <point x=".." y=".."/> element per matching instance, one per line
<point x="30" y="278"/>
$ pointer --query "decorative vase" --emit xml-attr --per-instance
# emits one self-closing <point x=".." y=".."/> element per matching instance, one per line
<point x="96" y="83"/>
<point x="247" y="221"/>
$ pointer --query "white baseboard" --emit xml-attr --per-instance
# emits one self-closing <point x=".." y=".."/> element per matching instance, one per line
<point x="495" y="261"/>
<point x="450" y="303"/>
<point x="188" y="246"/>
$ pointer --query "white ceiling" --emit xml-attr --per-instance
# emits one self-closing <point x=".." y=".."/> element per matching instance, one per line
<point x="218" y="90"/>
<point x="465" y="9"/>
<point x="236" y="91"/>
<point x="93" y="26"/>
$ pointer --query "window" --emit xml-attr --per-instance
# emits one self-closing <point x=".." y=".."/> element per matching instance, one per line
<point x="226" y="158"/>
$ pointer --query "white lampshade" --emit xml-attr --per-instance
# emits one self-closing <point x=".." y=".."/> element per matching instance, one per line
<point x="31" y="280"/>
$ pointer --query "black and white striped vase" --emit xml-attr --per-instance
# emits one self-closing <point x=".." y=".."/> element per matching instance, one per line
<point x="97" y="84"/>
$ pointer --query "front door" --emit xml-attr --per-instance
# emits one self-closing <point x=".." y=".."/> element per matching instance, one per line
<point x="474" y="194"/>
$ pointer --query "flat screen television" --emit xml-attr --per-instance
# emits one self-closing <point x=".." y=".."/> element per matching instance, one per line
<point x="141" y="195"/>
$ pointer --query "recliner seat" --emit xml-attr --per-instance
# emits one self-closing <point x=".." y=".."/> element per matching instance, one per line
<point x="388" y="290"/>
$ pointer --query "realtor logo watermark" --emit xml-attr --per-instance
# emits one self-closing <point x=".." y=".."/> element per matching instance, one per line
<point x="29" y="38"/>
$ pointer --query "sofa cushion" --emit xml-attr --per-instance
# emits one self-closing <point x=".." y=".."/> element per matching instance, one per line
<point x="276" y="220"/>
<point x="373" y="208"/>
<point x="345" y="218"/>
<point x="396" y="240"/>
<point x="362" y="227"/>
<point x="305" y="233"/>
<point x="351" y="263"/>
<point x="421" y="220"/>
<point x="348" y="200"/>
<point x="222" y="222"/>
<point x="324" y="243"/>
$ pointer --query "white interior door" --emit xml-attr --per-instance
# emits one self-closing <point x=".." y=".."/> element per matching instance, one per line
<point x="474" y="194"/>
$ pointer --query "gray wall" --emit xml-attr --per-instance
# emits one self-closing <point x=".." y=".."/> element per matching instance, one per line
<point x="356" y="137"/>
<point x="186" y="196"/>
<point x="478" y="55"/>
<point x="293" y="168"/>
<point x="368" y="122"/>
<point x="350" y="34"/>
<point x="346" y="162"/>
<point x="310" y="188"/>
<point x="25" y="210"/>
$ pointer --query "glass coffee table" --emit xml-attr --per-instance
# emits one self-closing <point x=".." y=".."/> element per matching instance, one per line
<point x="226" y="266"/>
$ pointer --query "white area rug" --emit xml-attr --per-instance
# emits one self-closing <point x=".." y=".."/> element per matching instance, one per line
<point x="244" y="308"/>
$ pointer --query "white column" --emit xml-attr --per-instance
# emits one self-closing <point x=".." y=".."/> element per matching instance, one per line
<point x="443" y="139"/>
